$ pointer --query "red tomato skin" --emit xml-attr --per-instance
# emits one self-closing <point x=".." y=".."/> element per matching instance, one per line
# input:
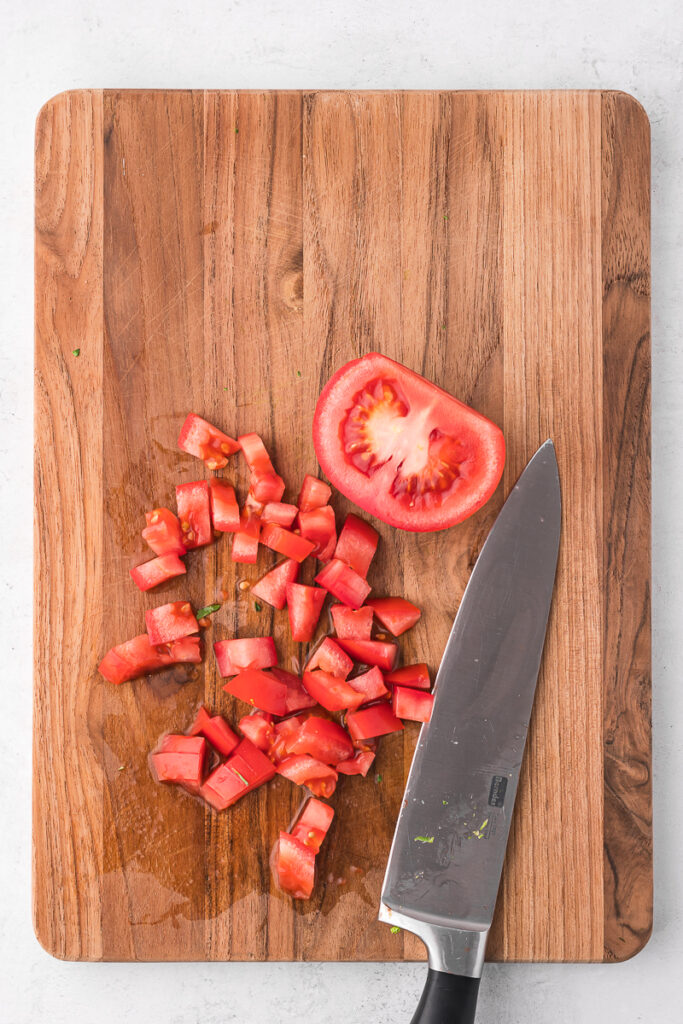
<point x="216" y="730"/>
<point x="280" y="513"/>
<point x="344" y="583"/>
<point x="359" y="764"/>
<point x="194" y="513"/>
<point x="170" y="622"/>
<point x="163" y="533"/>
<point x="285" y="542"/>
<point x="323" y="739"/>
<point x="180" y="759"/>
<point x="371" y="652"/>
<point x="267" y="488"/>
<point x="412" y="705"/>
<point x="483" y="441"/>
<point x="314" y="494"/>
<point x="357" y="544"/>
<point x="395" y="613"/>
<point x="223" y="787"/>
<point x="272" y="588"/>
<point x="244" y="652"/>
<point x="259" y="689"/>
<point x="304" y="605"/>
<point x="200" y="438"/>
<point x="375" y="720"/>
<point x="138" y="657"/>
<point x="258" y="727"/>
<point x="293" y="866"/>
<point x="157" y="570"/>
<point x="330" y="658"/>
<point x="253" y="763"/>
<point x="225" y="513"/>
<point x="370" y="684"/>
<point x="415" y="676"/>
<point x="297" y="699"/>
<point x="246" y="540"/>
<point x="330" y="692"/>
<point x="256" y="455"/>
<point x="319" y="526"/>
<point x="350" y="624"/>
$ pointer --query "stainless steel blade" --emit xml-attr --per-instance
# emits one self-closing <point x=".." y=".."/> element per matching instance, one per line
<point x="447" y="855"/>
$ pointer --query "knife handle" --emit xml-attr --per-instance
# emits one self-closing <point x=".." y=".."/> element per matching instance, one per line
<point x="447" y="999"/>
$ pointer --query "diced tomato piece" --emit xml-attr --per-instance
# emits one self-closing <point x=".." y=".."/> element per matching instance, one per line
<point x="258" y="727"/>
<point x="320" y="778"/>
<point x="163" y="533"/>
<point x="265" y="484"/>
<point x="293" y="866"/>
<point x="357" y="544"/>
<point x="137" y="657"/>
<point x="375" y="720"/>
<point x="216" y="730"/>
<point x="257" y="768"/>
<point x="371" y="652"/>
<point x="342" y="581"/>
<point x="322" y="739"/>
<point x="314" y="494"/>
<point x="181" y="759"/>
<point x="225" y="513"/>
<point x="279" y="512"/>
<point x="297" y="699"/>
<point x="260" y="689"/>
<point x="245" y="541"/>
<point x="416" y="676"/>
<point x="395" y="613"/>
<point x="170" y="622"/>
<point x="246" y="652"/>
<point x="414" y="705"/>
<point x="284" y="733"/>
<point x="268" y="488"/>
<point x="247" y="769"/>
<point x="194" y="512"/>
<point x="327" y="553"/>
<point x="313" y="824"/>
<point x="330" y="658"/>
<point x="350" y="624"/>
<point x="319" y="526"/>
<point x="252" y="506"/>
<point x="359" y="764"/>
<point x="332" y="693"/>
<point x="285" y="542"/>
<point x="304" y="605"/>
<point x="200" y="438"/>
<point x="157" y="570"/>
<point x="370" y="684"/>
<point x="272" y="588"/>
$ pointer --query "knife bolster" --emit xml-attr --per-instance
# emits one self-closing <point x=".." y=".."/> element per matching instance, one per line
<point x="450" y="950"/>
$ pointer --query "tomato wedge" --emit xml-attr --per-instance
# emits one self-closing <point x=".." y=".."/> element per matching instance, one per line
<point x="138" y="657"/>
<point x="322" y="739"/>
<point x="375" y="720"/>
<point x="332" y="693"/>
<point x="402" y="448"/>
<point x="314" y="494"/>
<point x="293" y="866"/>
<point x="245" y="541"/>
<point x="395" y="613"/>
<point x="181" y="759"/>
<point x="279" y="512"/>
<point x="258" y="727"/>
<point x="414" y="705"/>
<point x="194" y="512"/>
<point x="163" y="533"/>
<point x="200" y="438"/>
<point x="157" y="570"/>
<point x="350" y="624"/>
<point x="357" y="544"/>
<point x="342" y="581"/>
<point x="313" y="824"/>
<point x="304" y="605"/>
<point x="319" y="526"/>
<point x="285" y="542"/>
<point x="370" y="684"/>
<point x="246" y="652"/>
<point x="371" y="652"/>
<point x="320" y="778"/>
<point x="297" y="699"/>
<point x="170" y="622"/>
<point x="272" y="588"/>
<point x="260" y="689"/>
<point x="216" y="730"/>
<point x="330" y="658"/>
<point x="225" y="513"/>
<point x="416" y="676"/>
<point x="359" y="764"/>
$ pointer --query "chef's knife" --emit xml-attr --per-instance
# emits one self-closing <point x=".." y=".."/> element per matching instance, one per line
<point x="447" y="855"/>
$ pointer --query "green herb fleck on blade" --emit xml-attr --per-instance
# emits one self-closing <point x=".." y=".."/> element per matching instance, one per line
<point x="395" y="929"/>
<point x="258" y="606"/>
<point x="76" y="352"/>
<point x="208" y="610"/>
<point x="424" y="839"/>
<point x="445" y="803"/>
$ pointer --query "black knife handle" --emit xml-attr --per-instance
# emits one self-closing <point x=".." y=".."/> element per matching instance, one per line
<point x="447" y="999"/>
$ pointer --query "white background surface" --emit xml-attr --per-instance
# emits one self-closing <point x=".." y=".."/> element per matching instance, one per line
<point x="46" y="47"/>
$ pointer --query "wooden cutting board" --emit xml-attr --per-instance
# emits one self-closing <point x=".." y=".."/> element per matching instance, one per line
<point x="225" y="252"/>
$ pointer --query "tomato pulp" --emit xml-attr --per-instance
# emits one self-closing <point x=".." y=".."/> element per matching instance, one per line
<point x="402" y="448"/>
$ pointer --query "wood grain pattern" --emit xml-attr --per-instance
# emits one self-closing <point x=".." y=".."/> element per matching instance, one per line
<point x="226" y="252"/>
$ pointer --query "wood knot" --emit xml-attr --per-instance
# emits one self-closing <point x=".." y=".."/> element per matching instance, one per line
<point x="292" y="289"/>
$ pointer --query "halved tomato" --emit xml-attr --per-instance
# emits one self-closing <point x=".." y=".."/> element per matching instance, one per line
<point x="402" y="448"/>
<point x="272" y="588"/>
<point x="395" y="613"/>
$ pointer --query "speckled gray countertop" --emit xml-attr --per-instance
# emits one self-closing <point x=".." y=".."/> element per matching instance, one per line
<point x="47" y="47"/>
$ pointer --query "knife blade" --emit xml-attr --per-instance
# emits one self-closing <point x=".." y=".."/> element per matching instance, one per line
<point x="448" y="849"/>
